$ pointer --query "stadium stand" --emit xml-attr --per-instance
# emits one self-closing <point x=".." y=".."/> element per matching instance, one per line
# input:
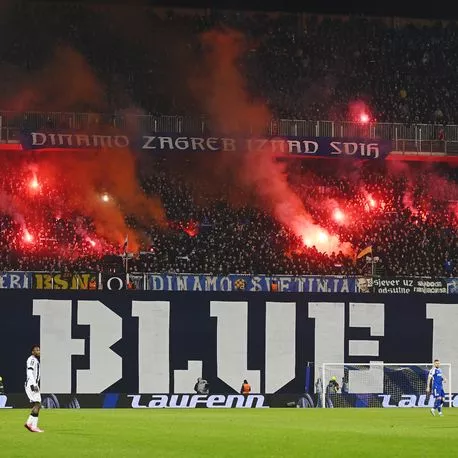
<point x="306" y="68"/>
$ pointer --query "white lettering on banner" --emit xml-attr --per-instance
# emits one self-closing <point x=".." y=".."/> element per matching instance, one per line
<point x="115" y="284"/>
<point x="372" y="149"/>
<point x="294" y="147"/>
<point x="310" y="147"/>
<point x="322" y="285"/>
<point x="156" y="283"/>
<point x="19" y="281"/>
<point x="386" y="399"/>
<point x="351" y="148"/>
<point x="285" y="283"/>
<point x="13" y="281"/>
<point x="210" y="283"/>
<point x="212" y="143"/>
<point x="186" y="401"/>
<point x="368" y="315"/>
<point x="182" y="283"/>
<point x="184" y="379"/>
<point x="229" y="144"/>
<point x="57" y="344"/>
<point x="65" y="139"/>
<point x="197" y="144"/>
<point x="197" y="286"/>
<point x="345" y="286"/>
<point x="256" y="284"/>
<point x="363" y="348"/>
<point x="3" y="401"/>
<point x="232" y="344"/>
<point x="121" y="141"/>
<point x="104" y="141"/>
<point x="82" y="140"/>
<point x="53" y="140"/>
<point x="280" y="367"/>
<point x="372" y="316"/>
<point x="279" y="145"/>
<point x="147" y="142"/>
<point x="299" y="284"/>
<point x="38" y="139"/>
<point x="329" y="335"/>
<point x="182" y="143"/>
<point x="165" y="142"/>
<point x="225" y="284"/>
<point x="153" y="345"/>
<point x="105" y="367"/>
<point x="412" y="400"/>
<point x="445" y="343"/>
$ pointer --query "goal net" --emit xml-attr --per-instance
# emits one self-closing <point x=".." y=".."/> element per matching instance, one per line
<point x="377" y="384"/>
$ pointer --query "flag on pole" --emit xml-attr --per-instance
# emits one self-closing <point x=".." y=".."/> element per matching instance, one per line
<point x="367" y="250"/>
<point x="126" y="242"/>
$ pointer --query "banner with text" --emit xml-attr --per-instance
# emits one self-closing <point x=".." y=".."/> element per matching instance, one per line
<point x="172" y="143"/>
<point x="224" y="401"/>
<point x="47" y="280"/>
<point x="281" y="283"/>
<point x="274" y="341"/>
<point x="401" y="285"/>
<point x="18" y="280"/>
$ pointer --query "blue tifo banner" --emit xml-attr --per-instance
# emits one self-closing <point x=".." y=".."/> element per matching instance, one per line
<point x="170" y="143"/>
<point x="15" y="280"/>
<point x="261" y="283"/>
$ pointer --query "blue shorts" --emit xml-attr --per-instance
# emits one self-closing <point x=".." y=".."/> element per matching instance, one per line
<point x="438" y="393"/>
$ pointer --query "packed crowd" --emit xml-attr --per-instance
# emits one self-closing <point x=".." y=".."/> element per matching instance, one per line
<point x="305" y="67"/>
<point x="407" y="214"/>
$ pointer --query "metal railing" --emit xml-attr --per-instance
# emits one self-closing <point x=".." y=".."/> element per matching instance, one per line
<point x="12" y="123"/>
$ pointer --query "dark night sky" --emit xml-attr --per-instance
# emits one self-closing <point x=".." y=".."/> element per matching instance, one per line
<point x="369" y="7"/>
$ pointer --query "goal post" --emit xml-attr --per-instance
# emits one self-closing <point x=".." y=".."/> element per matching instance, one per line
<point x="378" y="384"/>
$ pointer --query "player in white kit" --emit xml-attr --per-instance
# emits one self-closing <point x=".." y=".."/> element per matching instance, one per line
<point x="32" y="389"/>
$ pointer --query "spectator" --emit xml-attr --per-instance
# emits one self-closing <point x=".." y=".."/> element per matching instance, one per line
<point x="201" y="386"/>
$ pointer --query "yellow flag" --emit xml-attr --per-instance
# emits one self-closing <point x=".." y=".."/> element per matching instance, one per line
<point x="367" y="250"/>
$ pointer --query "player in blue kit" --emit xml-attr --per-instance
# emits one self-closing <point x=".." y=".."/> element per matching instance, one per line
<point x="435" y="385"/>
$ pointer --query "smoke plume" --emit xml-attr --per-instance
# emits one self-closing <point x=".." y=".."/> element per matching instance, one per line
<point x="222" y="88"/>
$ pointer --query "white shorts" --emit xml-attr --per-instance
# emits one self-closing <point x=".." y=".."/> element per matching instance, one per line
<point x="34" y="396"/>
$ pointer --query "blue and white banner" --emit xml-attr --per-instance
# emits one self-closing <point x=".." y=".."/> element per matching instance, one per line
<point x="172" y="143"/>
<point x="276" y="342"/>
<point x="262" y="283"/>
<point x="15" y="280"/>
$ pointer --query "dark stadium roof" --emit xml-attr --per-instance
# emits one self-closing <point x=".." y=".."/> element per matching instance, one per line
<point x="370" y="8"/>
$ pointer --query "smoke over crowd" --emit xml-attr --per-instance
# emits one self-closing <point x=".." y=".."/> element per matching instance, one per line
<point x="100" y="195"/>
<point x="222" y="89"/>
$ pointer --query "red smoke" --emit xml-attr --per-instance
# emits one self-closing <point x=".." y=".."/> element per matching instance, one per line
<point x="100" y="185"/>
<point x="66" y="83"/>
<point x="222" y="88"/>
<point x="84" y="175"/>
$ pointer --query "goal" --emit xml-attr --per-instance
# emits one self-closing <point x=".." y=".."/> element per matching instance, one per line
<point x="377" y="384"/>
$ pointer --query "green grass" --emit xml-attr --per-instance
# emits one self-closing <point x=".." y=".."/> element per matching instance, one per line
<point x="231" y="433"/>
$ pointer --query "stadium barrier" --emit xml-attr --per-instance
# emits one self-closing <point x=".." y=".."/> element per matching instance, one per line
<point x="216" y="401"/>
<point x="139" y="342"/>
<point x="204" y="282"/>
<point x="13" y="123"/>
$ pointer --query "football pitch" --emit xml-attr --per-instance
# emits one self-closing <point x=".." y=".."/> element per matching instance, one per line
<point x="231" y="433"/>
